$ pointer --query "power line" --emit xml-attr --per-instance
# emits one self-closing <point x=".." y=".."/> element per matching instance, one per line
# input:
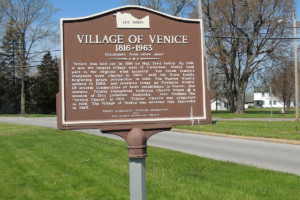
<point x="255" y="38"/>
<point x="246" y="28"/>
<point x="44" y="51"/>
<point x="11" y="69"/>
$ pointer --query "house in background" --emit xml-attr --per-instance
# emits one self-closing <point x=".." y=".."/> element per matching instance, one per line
<point x="249" y="101"/>
<point x="260" y="98"/>
<point x="218" y="104"/>
<point x="263" y="99"/>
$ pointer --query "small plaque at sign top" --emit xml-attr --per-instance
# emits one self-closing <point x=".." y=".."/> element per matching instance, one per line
<point x="132" y="67"/>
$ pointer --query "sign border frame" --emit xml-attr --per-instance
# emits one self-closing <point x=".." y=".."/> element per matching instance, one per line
<point x="145" y="120"/>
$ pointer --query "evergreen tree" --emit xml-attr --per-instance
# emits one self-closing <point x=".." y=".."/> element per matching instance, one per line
<point x="10" y="66"/>
<point x="3" y="80"/>
<point x="46" y="85"/>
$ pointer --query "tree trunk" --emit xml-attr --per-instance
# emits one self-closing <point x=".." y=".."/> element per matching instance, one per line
<point x="239" y="103"/>
<point x="23" y="73"/>
<point x="239" y="100"/>
<point x="229" y="94"/>
<point x="288" y="105"/>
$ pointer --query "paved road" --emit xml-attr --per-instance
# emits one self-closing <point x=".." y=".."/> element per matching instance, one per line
<point x="274" y="156"/>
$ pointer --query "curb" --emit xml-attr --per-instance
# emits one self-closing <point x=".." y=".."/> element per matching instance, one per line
<point x="281" y="141"/>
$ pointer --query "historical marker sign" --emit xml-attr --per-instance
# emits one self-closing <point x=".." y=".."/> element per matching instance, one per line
<point x="131" y="66"/>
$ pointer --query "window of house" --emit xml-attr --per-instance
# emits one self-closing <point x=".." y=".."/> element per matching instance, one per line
<point x="270" y="102"/>
<point x="274" y="102"/>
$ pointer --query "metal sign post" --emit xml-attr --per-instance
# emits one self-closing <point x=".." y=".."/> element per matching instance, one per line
<point x="137" y="175"/>
<point x="137" y="152"/>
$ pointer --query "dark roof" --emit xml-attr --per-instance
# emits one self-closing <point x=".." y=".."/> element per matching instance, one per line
<point x="220" y="99"/>
<point x="261" y="90"/>
<point x="249" y="98"/>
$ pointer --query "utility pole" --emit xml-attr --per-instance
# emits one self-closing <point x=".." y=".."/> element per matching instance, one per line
<point x="296" y="67"/>
<point x="271" y="95"/>
<point x="202" y="27"/>
<point x="202" y="36"/>
<point x="200" y="9"/>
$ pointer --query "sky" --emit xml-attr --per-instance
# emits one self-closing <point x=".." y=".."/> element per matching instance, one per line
<point x="82" y="8"/>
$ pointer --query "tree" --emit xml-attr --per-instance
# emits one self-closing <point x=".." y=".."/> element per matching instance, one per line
<point x="283" y="84"/>
<point x="46" y="85"/>
<point x="173" y="7"/>
<point x="216" y="82"/>
<point x="3" y="79"/>
<point x="239" y="33"/>
<point x="1" y="13"/>
<point x="32" y="19"/>
<point x="10" y="51"/>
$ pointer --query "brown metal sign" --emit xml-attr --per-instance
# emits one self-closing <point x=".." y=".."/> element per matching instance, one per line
<point x="132" y="66"/>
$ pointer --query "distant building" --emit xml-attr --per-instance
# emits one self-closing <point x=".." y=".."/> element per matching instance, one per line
<point x="260" y="98"/>
<point x="263" y="99"/>
<point x="249" y="101"/>
<point x="219" y="104"/>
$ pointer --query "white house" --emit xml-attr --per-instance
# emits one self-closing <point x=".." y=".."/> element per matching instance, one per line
<point x="219" y="104"/>
<point x="260" y="98"/>
<point x="249" y="101"/>
<point x="263" y="99"/>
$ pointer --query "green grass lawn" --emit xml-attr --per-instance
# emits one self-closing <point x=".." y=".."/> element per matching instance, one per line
<point x="279" y="130"/>
<point x="44" y="163"/>
<point x="256" y="113"/>
<point x="249" y="113"/>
